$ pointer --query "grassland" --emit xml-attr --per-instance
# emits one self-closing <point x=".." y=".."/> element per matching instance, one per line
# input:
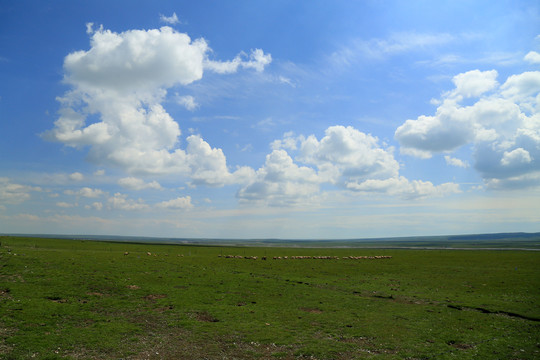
<point x="75" y="299"/>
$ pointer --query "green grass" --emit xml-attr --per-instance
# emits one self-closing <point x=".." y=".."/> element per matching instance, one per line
<point x="73" y="299"/>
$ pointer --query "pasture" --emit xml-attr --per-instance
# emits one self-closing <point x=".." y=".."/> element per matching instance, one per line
<point x="76" y="299"/>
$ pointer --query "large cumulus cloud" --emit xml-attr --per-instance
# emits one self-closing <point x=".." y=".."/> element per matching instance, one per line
<point x="344" y="157"/>
<point x="501" y="121"/>
<point x="114" y="106"/>
<point x="281" y="182"/>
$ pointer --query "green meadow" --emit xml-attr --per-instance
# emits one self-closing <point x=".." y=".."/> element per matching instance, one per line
<point x="76" y="299"/>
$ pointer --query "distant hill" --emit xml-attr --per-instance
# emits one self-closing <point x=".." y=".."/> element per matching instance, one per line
<point x="519" y="240"/>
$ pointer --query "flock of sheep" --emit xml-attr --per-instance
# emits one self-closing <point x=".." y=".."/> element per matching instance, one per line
<point x="297" y="257"/>
<point x="306" y="257"/>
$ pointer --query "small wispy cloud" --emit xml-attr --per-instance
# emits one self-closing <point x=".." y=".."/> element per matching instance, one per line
<point x="455" y="162"/>
<point x="491" y="58"/>
<point x="76" y="176"/>
<point x="65" y="204"/>
<point x="247" y="148"/>
<point x="122" y="202"/>
<point x="532" y="57"/>
<point x="407" y="41"/>
<point x="395" y="44"/>
<point x="172" y="20"/>
<point x="96" y="205"/>
<point x="285" y="80"/>
<point x="180" y="203"/>
<point x="265" y="124"/>
<point x="187" y="101"/>
<point x="133" y="183"/>
<point x="86" y="192"/>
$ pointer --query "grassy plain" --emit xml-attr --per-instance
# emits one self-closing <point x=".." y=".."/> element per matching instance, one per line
<point x="75" y="299"/>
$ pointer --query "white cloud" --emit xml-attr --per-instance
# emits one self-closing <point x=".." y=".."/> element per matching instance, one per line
<point x="115" y="104"/>
<point x="404" y="188"/>
<point x="406" y="41"/>
<point x="138" y="184"/>
<point x="474" y="83"/>
<point x="265" y="124"/>
<point x="286" y="80"/>
<point x="65" y="204"/>
<point x="345" y="154"/>
<point x="76" y="176"/>
<point x="281" y="182"/>
<point x="89" y="27"/>
<point x="488" y="59"/>
<point x="532" y="57"/>
<point x="257" y="60"/>
<point x="451" y="126"/>
<point x="519" y="156"/>
<point x="180" y="203"/>
<point x="139" y="60"/>
<point x="529" y="180"/>
<point x="246" y="148"/>
<point x="289" y="142"/>
<point x="395" y="44"/>
<point x="344" y="157"/>
<point x="86" y="192"/>
<point x="188" y="102"/>
<point x="502" y="124"/>
<point x="13" y="193"/>
<point x="455" y="162"/>
<point x="99" y="172"/>
<point x="523" y="89"/>
<point x="172" y="20"/>
<point x="209" y="167"/>
<point x="121" y="202"/>
<point x="95" y="205"/>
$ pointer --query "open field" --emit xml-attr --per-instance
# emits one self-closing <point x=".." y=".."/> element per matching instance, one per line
<point x="78" y="299"/>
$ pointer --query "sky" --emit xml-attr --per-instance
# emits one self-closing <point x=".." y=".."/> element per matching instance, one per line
<point x="269" y="119"/>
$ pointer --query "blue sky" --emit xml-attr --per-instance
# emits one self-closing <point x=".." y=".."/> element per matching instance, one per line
<point x="258" y="119"/>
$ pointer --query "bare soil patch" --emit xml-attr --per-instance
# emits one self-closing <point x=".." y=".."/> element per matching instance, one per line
<point x="154" y="297"/>
<point x="204" y="316"/>
<point x="311" y="310"/>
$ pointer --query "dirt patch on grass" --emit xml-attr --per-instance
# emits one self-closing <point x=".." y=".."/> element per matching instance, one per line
<point x="163" y="309"/>
<point x="162" y="341"/>
<point x="311" y="310"/>
<point x="12" y="278"/>
<point x="57" y="299"/>
<point x="363" y="346"/>
<point x="460" y="346"/>
<point x="4" y="334"/>
<point x="4" y="293"/>
<point x="203" y="316"/>
<point x="83" y="353"/>
<point x="179" y="344"/>
<point x="154" y="297"/>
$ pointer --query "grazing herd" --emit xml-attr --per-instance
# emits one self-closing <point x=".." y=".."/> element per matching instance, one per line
<point x="306" y="257"/>
<point x="296" y="257"/>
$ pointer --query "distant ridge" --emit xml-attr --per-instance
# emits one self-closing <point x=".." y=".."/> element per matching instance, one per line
<point x="496" y="236"/>
<point x="517" y="240"/>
